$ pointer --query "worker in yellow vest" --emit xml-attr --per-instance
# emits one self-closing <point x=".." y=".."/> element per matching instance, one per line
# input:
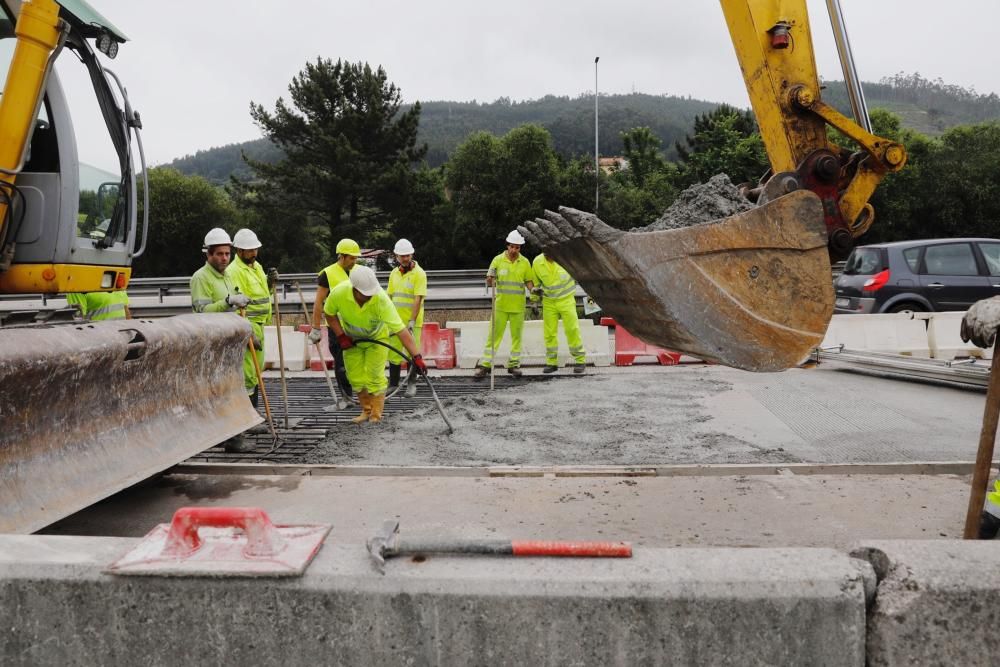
<point x="249" y="279"/>
<point x="407" y="289"/>
<point x="100" y="306"/>
<point x="348" y="252"/>
<point x="558" y="303"/>
<point x="359" y="310"/>
<point x="509" y="273"/>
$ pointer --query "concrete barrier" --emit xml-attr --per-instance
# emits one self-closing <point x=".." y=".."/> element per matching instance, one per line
<point x="899" y="333"/>
<point x="293" y="344"/>
<point x="664" y="606"/>
<point x="937" y="603"/>
<point x="945" y="340"/>
<point x="473" y="339"/>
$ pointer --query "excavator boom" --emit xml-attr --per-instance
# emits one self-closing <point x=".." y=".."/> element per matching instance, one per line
<point x="752" y="291"/>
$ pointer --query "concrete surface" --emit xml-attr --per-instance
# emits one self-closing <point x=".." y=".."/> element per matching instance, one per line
<point x="938" y="603"/>
<point x="678" y="414"/>
<point x="734" y="511"/>
<point x="723" y="606"/>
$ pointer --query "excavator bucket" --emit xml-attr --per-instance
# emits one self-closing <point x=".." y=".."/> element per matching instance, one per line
<point x="89" y="409"/>
<point x="752" y="291"/>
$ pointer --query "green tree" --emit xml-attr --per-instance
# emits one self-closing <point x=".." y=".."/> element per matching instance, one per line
<point x="181" y="211"/>
<point x="497" y="183"/>
<point x="724" y="141"/>
<point x="641" y="149"/>
<point x="348" y="148"/>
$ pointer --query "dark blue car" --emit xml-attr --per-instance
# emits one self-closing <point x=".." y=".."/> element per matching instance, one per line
<point x="928" y="275"/>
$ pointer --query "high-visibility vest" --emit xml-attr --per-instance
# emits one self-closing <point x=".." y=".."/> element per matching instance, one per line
<point x="376" y="319"/>
<point x="511" y="278"/>
<point x="209" y="290"/>
<point x="404" y="288"/>
<point x="252" y="282"/>
<point x="99" y="306"/>
<point x="555" y="281"/>
<point x="335" y="274"/>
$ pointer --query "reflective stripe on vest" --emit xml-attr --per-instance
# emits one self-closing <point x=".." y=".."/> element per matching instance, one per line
<point x="109" y="312"/>
<point x="510" y="287"/>
<point x="568" y="286"/>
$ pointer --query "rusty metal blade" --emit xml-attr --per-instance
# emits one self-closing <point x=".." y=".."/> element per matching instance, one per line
<point x="89" y="409"/>
<point x="752" y="291"/>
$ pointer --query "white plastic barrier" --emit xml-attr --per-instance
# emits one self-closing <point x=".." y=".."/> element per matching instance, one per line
<point x="293" y="344"/>
<point x="899" y="333"/>
<point x="946" y="342"/>
<point x="473" y="340"/>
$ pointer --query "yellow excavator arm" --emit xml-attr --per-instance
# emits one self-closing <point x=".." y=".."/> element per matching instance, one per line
<point x="752" y="291"/>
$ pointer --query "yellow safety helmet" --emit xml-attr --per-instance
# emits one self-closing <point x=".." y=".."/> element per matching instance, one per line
<point x="348" y="247"/>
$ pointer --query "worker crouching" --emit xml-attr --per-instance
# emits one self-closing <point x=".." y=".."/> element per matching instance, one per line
<point x="359" y="311"/>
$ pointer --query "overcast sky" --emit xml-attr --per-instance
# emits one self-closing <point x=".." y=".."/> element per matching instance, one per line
<point x="192" y="68"/>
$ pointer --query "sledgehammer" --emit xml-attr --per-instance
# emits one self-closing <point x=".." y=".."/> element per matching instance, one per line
<point x="387" y="544"/>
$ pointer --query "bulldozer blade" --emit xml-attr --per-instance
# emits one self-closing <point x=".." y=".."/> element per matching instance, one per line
<point x="752" y="291"/>
<point x="89" y="409"/>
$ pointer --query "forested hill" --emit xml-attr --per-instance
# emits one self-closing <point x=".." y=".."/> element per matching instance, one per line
<point x="929" y="107"/>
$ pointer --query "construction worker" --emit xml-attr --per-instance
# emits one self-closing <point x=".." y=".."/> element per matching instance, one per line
<point x="212" y="291"/>
<point x="407" y="289"/>
<point x="359" y="308"/>
<point x="348" y="252"/>
<point x="99" y="306"/>
<point x="249" y="279"/>
<point x="979" y="325"/>
<point x="510" y="273"/>
<point x="558" y="303"/>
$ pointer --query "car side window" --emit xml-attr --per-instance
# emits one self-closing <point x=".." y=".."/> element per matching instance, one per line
<point x="953" y="259"/>
<point x="912" y="257"/>
<point x="991" y="252"/>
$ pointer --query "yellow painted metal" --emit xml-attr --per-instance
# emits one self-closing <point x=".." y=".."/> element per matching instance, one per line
<point x="37" y="33"/>
<point x="59" y="278"/>
<point x="789" y="135"/>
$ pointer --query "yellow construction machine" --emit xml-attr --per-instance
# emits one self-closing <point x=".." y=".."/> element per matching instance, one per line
<point x="88" y="408"/>
<point x="753" y="291"/>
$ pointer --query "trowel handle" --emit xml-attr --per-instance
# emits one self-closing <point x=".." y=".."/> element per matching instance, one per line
<point x="183" y="538"/>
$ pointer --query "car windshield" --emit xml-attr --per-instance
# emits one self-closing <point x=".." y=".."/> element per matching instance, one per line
<point x="863" y="261"/>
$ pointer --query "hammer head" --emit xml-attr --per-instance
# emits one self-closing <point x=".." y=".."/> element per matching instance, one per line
<point x="384" y="543"/>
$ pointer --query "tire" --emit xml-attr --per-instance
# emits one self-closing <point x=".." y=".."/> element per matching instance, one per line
<point x="908" y="305"/>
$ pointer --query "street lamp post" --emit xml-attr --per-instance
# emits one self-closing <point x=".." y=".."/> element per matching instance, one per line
<point x="597" y="160"/>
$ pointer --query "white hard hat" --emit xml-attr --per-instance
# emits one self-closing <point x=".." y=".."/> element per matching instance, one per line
<point x="513" y="237"/>
<point x="363" y="279"/>
<point x="246" y="240"/>
<point x="403" y="247"/>
<point x="217" y="236"/>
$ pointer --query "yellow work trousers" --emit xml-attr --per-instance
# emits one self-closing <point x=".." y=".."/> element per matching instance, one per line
<point x="249" y="372"/>
<point x="500" y="321"/>
<point x="365" y="365"/>
<point x="565" y="310"/>
<point x="396" y="343"/>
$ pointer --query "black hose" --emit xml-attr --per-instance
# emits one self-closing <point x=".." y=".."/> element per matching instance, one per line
<point x="412" y="369"/>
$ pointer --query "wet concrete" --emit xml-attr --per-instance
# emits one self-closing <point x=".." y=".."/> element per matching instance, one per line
<point x="670" y="415"/>
<point x="713" y="200"/>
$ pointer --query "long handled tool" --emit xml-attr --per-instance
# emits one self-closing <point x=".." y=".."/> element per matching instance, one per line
<point x="339" y="404"/>
<point x="260" y="382"/>
<point x="493" y="334"/>
<point x="984" y="457"/>
<point x="387" y="543"/>
<point x="281" y="356"/>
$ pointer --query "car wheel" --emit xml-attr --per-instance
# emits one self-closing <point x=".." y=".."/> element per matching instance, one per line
<point x="908" y="306"/>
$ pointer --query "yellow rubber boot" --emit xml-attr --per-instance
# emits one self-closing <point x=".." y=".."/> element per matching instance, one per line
<point x="366" y="408"/>
<point x="378" y="403"/>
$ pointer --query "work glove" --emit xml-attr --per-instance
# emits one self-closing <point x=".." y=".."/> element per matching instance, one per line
<point x="412" y="326"/>
<point x="258" y="344"/>
<point x="535" y="310"/>
<point x="345" y="341"/>
<point x="272" y="278"/>
<point x="238" y="300"/>
<point x="420" y="364"/>
<point x="981" y="322"/>
<point x="316" y="335"/>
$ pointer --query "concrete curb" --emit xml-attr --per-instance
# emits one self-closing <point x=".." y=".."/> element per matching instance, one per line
<point x="664" y="606"/>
